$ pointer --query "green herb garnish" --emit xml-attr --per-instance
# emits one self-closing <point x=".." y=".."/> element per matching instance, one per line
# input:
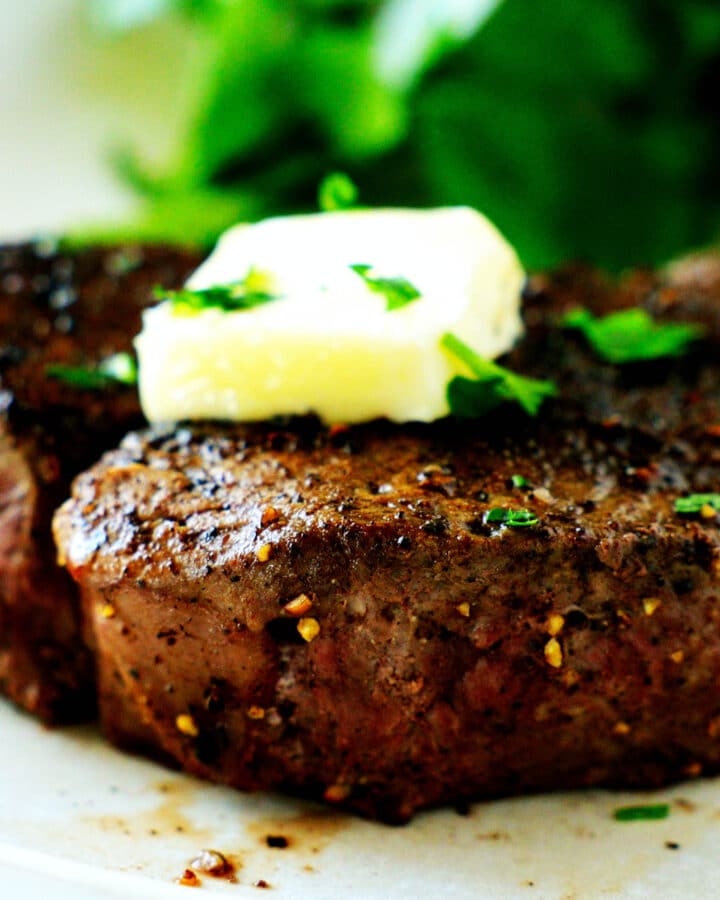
<point x="414" y="101"/>
<point x="78" y="376"/>
<point x="398" y="292"/>
<point x="120" y="368"/>
<point x="519" y="481"/>
<point x="255" y="289"/>
<point x="632" y="335"/>
<point x="638" y="813"/>
<point x="694" y="503"/>
<point x="491" y="386"/>
<point x="337" y="191"/>
<point x="513" y="518"/>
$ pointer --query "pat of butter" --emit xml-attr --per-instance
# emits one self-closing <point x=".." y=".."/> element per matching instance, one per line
<point x="329" y="345"/>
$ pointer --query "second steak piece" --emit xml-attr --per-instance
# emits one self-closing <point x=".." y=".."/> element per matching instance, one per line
<point x="59" y="309"/>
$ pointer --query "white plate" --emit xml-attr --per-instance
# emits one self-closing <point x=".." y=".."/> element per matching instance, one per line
<point x="79" y="819"/>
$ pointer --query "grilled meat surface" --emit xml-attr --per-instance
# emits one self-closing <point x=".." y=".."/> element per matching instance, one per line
<point x="330" y="612"/>
<point x="75" y="309"/>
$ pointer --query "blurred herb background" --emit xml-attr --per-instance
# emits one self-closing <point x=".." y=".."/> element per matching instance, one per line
<point x="584" y="128"/>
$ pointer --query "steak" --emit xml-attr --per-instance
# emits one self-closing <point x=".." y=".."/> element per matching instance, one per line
<point x="339" y="612"/>
<point x="75" y="309"/>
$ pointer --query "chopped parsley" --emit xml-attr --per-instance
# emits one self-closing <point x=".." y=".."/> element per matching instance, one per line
<point x="695" y="503"/>
<point x="398" y="292"/>
<point x="519" y="481"/>
<point x="513" y="518"/>
<point x="491" y="386"/>
<point x="120" y="368"/>
<point x="255" y="289"/>
<point x="632" y="335"/>
<point x="638" y="813"/>
<point x="337" y="191"/>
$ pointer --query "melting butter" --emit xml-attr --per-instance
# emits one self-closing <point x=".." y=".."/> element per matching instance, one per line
<point x="328" y="344"/>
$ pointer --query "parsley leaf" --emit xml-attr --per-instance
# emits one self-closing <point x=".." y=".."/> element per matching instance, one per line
<point x="693" y="504"/>
<point x="434" y="110"/>
<point x="632" y="335"/>
<point x="492" y="385"/>
<point x="513" y="518"/>
<point x="253" y="290"/>
<point x="637" y="813"/>
<point x="398" y="292"/>
<point x="120" y="368"/>
<point x="337" y="191"/>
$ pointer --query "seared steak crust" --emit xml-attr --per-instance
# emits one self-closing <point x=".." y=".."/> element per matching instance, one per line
<point x="329" y="612"/>
<point x="76" y="309"/>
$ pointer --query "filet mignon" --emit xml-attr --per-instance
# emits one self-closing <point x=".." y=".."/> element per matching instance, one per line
<point x="338" y="612"/>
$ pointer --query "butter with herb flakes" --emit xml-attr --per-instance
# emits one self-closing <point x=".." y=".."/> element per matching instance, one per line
<point x="342" y="314"/>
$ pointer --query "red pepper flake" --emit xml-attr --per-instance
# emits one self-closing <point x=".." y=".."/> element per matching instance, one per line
<point x="49" y="468"/>
<point x="645" y="474"/>
<point x="188" y="879"/>
<point x="337" y="793"/>
<point x="270" y="515"/>
<point x="668" y="296"/>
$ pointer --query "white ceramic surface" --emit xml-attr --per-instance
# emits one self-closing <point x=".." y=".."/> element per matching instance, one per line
<point x="78" y="819"/>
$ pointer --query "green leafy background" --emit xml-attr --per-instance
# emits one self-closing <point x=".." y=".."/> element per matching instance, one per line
<point x="583" y="129"/>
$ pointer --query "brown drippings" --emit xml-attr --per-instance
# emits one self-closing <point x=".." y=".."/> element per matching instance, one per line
<point x="167" y="817"/>
<point x="309" y="831"/>
<point x="261" y="883"/>
<point x="110" y="823"/>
